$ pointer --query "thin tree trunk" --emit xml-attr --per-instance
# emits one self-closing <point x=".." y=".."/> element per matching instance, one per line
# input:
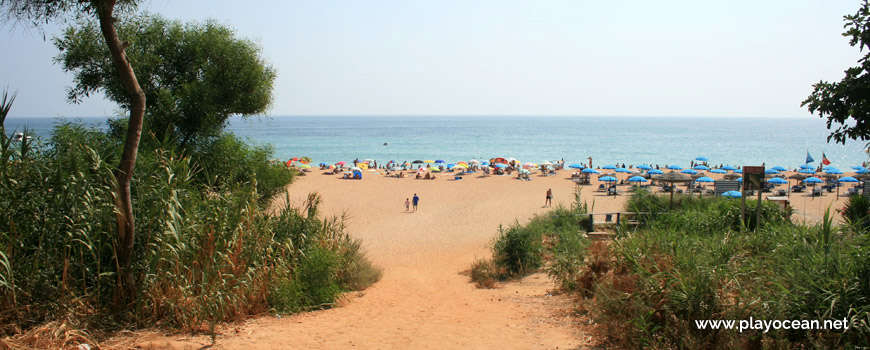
<point x="124" y="173"/>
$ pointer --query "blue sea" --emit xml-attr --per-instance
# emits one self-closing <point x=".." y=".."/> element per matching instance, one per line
<point x="608" y="140"/>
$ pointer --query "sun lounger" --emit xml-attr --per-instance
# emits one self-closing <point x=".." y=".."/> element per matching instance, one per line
<point x="817" y="191"/>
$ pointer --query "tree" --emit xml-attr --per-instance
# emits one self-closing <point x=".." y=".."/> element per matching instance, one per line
<point x="846" y="104"/>
<point x="38" y="12"/>
<point x="194" y="76"/>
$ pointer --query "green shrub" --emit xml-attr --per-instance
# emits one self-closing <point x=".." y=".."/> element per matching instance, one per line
<point x="857" y="211"/>
<point x="202" y="255"/>
<point x="517" y="251"/>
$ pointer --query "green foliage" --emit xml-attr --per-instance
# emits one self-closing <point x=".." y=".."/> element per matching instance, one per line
<point x="201" y="256"/>
<point x="194" y="76"/>
<point x="845" y="103"/>
<point x="517" y="251"/>
<point x="5" y="105"/>
<point x="857" y="211"/>
<point x="698" y="262"/>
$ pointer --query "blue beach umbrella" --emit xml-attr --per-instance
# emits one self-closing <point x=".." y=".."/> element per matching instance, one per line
<point x="728" y="167"/>
<point x="701" y="167"/>
<point x="776" y="181"/>
<point x="689" y="171"/>
<point x="807" y="171"/>
<point x="847" y="179"/>
<point x="813" y="180"/>
<point x="779" y="168"/>
<point x="675" y="167"/>
<point x="718" y="171"/>
<point x="450" y="166"/>
<point x="655" y="172"/>
<point x="805" y="166"/>
<point x="440" y="161"/>
<point x="705" y="179"/>
<point x="609" y="167"/>
<point x="703" y="159"/>
<point x="589" y="171"/>
<point x="576" y="166"/>
<point x="834" y="171"/>
<point x="484" y="163"/>
<point x="607" y="179"/>
<point x="740" y="179"/>
<point x="771" y="171"/>
<point x="732" y="194"/>
<point x="622" y="170"/>
<point x="636" y="179"/>
<point x="500" y="165"/>
<point x="858" y="167"/>
<point x="738" y="171"/>
<point x="644" y="167"/>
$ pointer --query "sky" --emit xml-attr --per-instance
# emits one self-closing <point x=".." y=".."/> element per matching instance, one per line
<point x="499" y="57"/>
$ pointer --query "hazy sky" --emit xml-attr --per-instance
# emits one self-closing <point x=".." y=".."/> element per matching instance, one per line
<point x="469" y="57"/>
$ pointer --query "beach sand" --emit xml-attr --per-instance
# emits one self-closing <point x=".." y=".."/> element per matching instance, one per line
<point x="423" y="301"/>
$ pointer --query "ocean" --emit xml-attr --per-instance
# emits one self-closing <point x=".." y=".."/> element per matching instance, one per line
<point x="608" y="140"/>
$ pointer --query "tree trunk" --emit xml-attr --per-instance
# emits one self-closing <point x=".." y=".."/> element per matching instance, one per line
<point x="124" y="173"/>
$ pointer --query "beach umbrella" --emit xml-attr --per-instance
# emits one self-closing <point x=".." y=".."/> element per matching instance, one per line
<point x="701" y="167"/>
<point x="435" y="169"/>
<point x="340" y="163"/>
<point x="771" y="171"/>
<point x="672" y="178"/>
<point x="655" y="172"/>
<point x="576" y="166"/>
<point x="798" y="176"/>
<point x="738" y="171"/>
<point x="460" y="166"/>
<point x="718" y="171"/>
<point x="607" y="179"/>
<point x="813" y="180"/>
<point x="417" y="162"/>
<point x="728" y="167"/>
<point x="779" y="168"/>
<point x="834" y="171"/>
<point x="501" y="165"/>
<point x="622" y="170"/>
<point x="304" y="160"/>
<point x="689" y="171"/>
<point x="705" y="179"/>
<point x="637" y="179"/>
<point x="304" y="166"/>
<point x="451" y="166"/>
<point x="428" y="161"/>
<point x="776" y="181"/>
<point x="805" y="166"/>
<point x="807" y="171"/>
<point x="644" y="167"/>
<point x="440" y="161"/>
<point x="847" y="179"/>
<point x="859" y="168"/>
<point x="589" y="171"/>
<point x="675" y="167"/>
<point x="530" y="165"/>
<point x="703" y="159"/>
<point x="732" y="194"/>
<point x="609" y="167"/>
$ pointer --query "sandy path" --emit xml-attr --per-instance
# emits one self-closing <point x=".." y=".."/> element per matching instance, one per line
<point x="423" y="302"/>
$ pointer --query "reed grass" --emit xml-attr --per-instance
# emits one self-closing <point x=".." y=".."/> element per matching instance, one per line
<point x="206" y="251"/>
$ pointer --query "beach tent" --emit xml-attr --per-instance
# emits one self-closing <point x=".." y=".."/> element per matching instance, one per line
<point x="357" y="175"/>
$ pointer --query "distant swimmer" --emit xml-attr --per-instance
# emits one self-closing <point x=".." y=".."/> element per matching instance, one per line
<point x="385" y="143"/>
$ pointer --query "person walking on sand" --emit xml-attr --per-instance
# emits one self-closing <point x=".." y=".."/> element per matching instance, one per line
<point x="407" y="205"/>
<point x="416" y="201"/>
<point x="549" y="201"/>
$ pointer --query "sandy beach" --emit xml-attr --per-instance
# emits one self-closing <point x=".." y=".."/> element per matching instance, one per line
<point x="423" y="301"/>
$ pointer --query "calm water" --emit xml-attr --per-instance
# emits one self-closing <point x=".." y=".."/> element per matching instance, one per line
<point x="632" y="140"/>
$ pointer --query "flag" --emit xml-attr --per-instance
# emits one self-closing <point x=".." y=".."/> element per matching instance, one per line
<point x="810" y="158"/>
<point x="825" y="160"/>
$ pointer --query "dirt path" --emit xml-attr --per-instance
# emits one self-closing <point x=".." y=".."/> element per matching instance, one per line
<point x="422" y="301"/>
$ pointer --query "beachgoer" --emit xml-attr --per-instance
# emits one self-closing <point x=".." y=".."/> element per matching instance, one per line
<point x="549" y="201"/>
<point x="407" y="205"/>
<point x="416" y="201"/>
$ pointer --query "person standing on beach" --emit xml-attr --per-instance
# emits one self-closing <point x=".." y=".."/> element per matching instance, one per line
<point x="416" y="200"/>
<point x="549" y="201"/>
<point x="407" y="205"/>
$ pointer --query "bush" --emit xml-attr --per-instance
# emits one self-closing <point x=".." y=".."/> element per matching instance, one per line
<point x="201" y="256"/>
<point x="700" y="262"/>
<point x="857" y="212"/>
